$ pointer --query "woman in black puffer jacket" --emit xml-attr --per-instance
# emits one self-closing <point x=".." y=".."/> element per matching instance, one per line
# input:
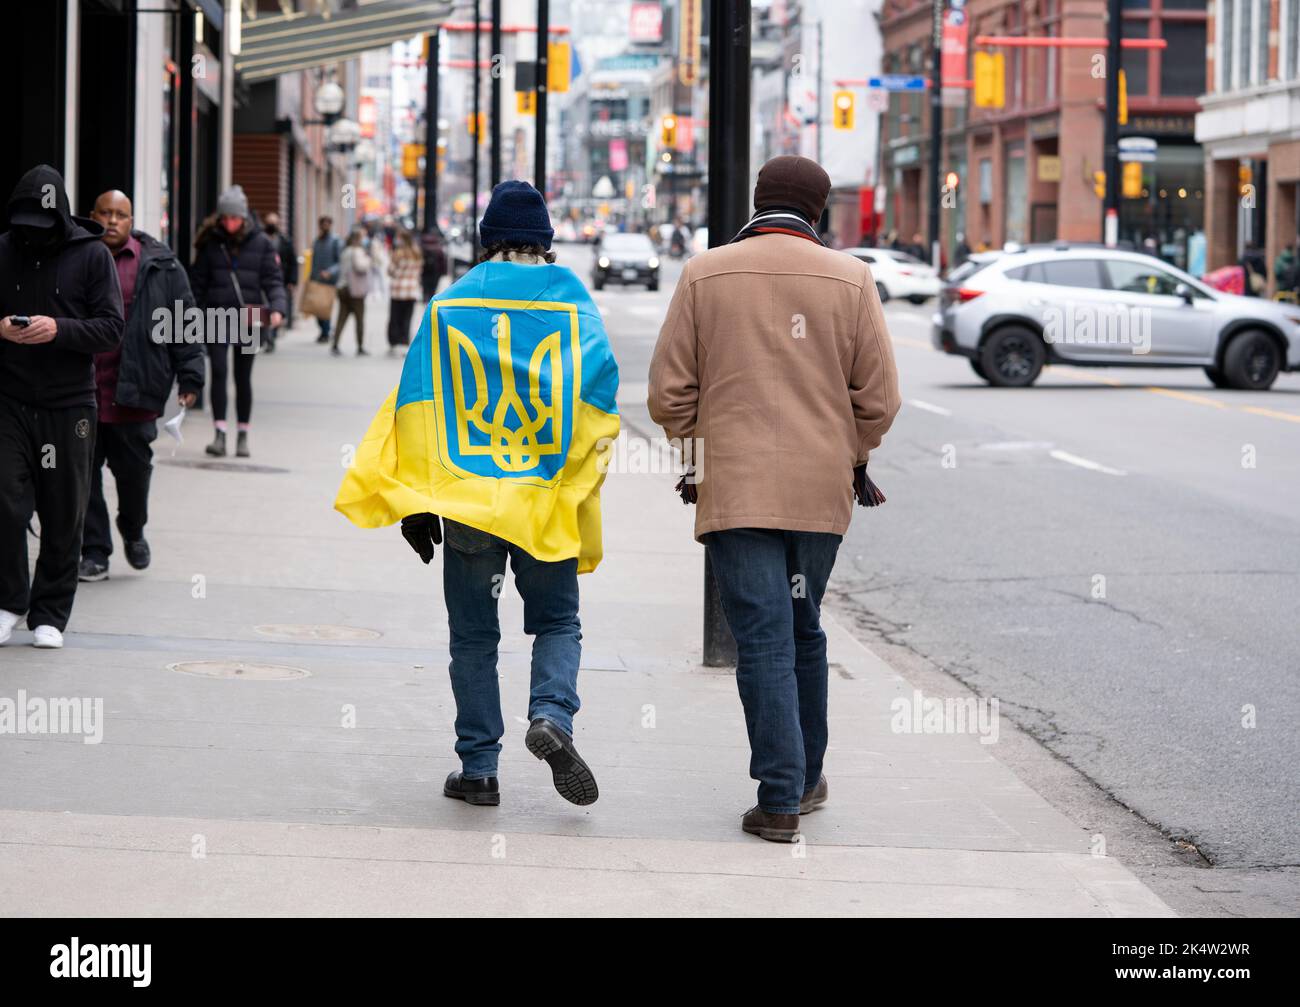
<point x="235" y="267"/>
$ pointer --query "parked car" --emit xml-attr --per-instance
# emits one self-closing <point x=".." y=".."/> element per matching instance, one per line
<point x="625" y="258"/>
<point x="1080" y="304"/>
<point x="899" y="274"/>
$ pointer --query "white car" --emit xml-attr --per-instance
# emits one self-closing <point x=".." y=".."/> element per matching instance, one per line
<point x="898" y="274"/>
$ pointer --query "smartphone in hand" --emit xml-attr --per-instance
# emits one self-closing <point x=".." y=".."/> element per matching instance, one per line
<point x="22" y="321"/>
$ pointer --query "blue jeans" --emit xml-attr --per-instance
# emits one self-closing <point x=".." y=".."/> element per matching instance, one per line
<point x="473" y="571"/>
<point x="771" y="585"/>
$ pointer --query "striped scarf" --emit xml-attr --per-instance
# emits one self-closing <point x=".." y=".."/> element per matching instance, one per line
<point x="778" y="222"/>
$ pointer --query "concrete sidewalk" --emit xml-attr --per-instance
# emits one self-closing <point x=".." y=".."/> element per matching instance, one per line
<point x="320" y="793"/>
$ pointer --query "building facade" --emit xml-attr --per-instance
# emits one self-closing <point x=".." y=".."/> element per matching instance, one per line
<point x="1250" y="129"/>
<point x="1026" y="171"/>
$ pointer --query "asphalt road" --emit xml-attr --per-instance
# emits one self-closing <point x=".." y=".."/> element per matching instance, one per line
<point x="1114" y="554"/>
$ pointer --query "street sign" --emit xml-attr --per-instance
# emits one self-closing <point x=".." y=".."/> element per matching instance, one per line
<point x="898" y="82"/>
<point x="1137" y="148"/>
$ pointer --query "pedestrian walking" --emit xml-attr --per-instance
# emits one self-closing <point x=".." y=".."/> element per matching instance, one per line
<point x="354" y="284"/>
<point x="774" y="363"/>
<point x="133" y="382"/>
<point x="404" y="270"/>
<point x="433" y="247"/>
<point x="326" y="251"/>
<point x="236" y="271"/>
<point x="59" y="305"/>
<point x="503" y="451"/>
<point x="288" y="271"/>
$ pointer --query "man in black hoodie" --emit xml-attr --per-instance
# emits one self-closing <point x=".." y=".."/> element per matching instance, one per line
<point x="60" y="304"/>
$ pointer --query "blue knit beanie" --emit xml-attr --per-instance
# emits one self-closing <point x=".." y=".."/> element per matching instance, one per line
<point x="516" y="214"/>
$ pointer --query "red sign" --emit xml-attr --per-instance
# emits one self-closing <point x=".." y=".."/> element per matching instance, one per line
<point x="646" y="23"/>
<point x="952" y="47"/>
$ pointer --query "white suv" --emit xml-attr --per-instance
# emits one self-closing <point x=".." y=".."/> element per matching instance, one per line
<point x="1011" y="313"/>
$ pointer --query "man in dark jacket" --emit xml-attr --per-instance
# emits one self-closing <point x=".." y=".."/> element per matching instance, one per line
<point x="133" y="381"/>
<point x="59" y="306"/>
<point x="434" y="249"/>
<point x="288" y="269"/>
<point x="326" y="252"/>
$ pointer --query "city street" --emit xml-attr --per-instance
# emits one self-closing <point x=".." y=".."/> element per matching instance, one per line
<point x="311" y="785"/>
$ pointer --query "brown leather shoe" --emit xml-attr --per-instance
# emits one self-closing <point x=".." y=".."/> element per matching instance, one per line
<point x="815" y="798"/>
<point x="773" y="828"/>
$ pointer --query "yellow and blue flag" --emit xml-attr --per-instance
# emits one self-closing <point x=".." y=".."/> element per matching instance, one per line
<point x="502" y="418"/>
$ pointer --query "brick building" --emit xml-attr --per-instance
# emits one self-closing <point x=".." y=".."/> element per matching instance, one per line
<point x="1250" y="129"/>
<point x="1026" y="170"/>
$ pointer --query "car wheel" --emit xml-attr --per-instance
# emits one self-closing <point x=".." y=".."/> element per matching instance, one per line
<point x="598" y="284"/>
<point x="918" y="298"/>
<point x="1012" y="357"/>
<point x="1252" y="361"/>
<point x="652" y="286"/>
<point x="884" y="294"/>
<point x="978" y="368"/>
<point x="1217" y="377"/>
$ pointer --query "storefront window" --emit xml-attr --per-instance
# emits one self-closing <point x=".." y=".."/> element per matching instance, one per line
<point x="1180" y="75"/>
<point x="1016" y="194"/>
<point x="1171" y="207"/>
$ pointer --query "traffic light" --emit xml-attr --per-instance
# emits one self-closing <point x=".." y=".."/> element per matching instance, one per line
<point x="668" y="133"/>
<point x="843" y="110"/>
<point x="990" y="80"/>
<point x="1123" y="99"/>
<point x="1131" y="180"/>
<point x="526" y="102"/>
<point x="1099" y="184"/>
<point x="411" y="154"/>
<point x="557" y="67"/>
<point x="482" y="126"/>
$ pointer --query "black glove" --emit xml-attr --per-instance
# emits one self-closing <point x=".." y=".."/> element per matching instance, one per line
<point x="686" y="488"/>
<point x="865" y="491"/>
<point x="421" y="531"/>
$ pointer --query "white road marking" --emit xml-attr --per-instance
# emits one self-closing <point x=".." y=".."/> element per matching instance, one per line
<point x="929" y="408"/>
<point x="1084" y="463"/>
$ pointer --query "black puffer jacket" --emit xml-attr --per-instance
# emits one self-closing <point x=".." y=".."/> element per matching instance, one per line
<point x="250" y="255"/>
<point x="154" y="352"/>
<point x="75" y="283"/>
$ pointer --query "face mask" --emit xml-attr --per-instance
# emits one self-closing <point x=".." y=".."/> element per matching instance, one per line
<point x="231" y="224"/>
<point x="38" y="238"/>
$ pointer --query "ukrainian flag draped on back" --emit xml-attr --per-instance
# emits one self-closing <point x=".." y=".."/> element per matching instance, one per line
<point x="503" y="413"/>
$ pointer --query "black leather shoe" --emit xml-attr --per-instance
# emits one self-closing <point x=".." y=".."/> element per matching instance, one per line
<point x="472" y="791"/>
<point x="137" y="554"/>
<point x="773" y="828"/>
<point x="815" y="798"/>
<point x="572" y="777"/>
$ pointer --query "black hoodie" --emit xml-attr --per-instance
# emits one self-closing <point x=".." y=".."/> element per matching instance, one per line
<point x="75" y="283"/>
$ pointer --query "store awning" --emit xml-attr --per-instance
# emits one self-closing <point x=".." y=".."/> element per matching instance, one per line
<point x="281" y="43"/>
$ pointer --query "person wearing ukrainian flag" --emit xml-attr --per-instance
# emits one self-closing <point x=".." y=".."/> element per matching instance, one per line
<point x="496" y="436"/>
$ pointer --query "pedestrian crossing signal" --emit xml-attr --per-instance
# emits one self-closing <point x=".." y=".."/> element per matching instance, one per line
<point x="481" y="125"/>
<point x="526" y="102"/>
<point x="1099" y="184"/>
<point x="1131" y="180"/>
<point x="990" y="80"/>
<point x="843" y="106"/>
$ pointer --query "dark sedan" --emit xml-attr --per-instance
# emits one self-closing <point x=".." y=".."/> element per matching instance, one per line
<point x="625" y="258"/>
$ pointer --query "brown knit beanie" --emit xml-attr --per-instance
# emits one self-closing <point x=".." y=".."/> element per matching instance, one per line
<point x="797" y="182"/>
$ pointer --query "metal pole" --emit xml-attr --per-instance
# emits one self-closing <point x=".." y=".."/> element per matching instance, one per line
<point x="478" y="48"/>
<point x="495" y="113"/>
<point x="728" y="211"/>
<point x="936" y="133"/>
<point x="1110" y="217"/>
<point x="821" y="31"/>
<point x="543" y="68"/>
<point x="431" y="104"/>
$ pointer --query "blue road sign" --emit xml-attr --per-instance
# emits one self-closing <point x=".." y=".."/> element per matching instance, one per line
<point x="898" y="82"/>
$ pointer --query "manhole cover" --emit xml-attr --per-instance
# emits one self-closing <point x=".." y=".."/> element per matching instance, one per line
<point x="239" y="669"/>
<point x="292" y="631"/>
<point x="215" y="466"/>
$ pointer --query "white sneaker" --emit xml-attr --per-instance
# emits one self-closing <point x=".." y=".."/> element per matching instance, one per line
<point x="47" y="638"/>
<point x="7" y="623"/>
